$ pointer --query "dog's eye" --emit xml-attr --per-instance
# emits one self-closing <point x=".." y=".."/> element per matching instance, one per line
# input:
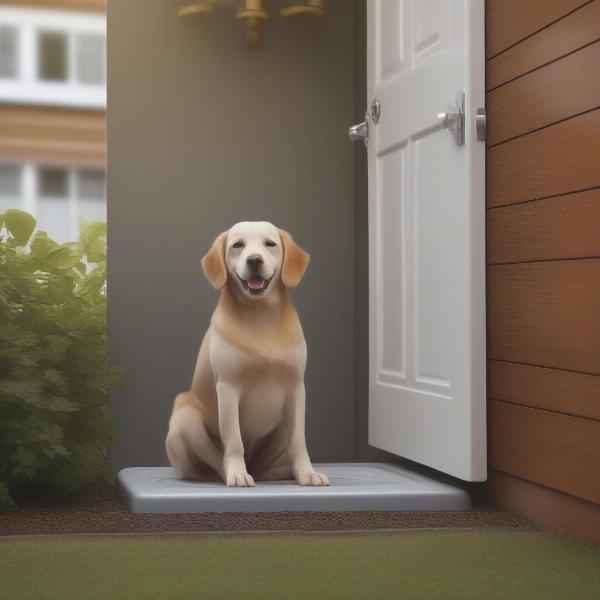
<point x="238" y="245"/>
<point x="270" y="243"/>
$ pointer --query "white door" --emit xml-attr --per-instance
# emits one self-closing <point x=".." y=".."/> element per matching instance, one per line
<point x="427" y="234"/>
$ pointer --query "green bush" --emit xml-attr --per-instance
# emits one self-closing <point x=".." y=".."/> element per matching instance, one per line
<point x="54" y="372"/>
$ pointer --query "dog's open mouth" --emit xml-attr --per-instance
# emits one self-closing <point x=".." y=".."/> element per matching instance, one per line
<point x="256" y="284"/>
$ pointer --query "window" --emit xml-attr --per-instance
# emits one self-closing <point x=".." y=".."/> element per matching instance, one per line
<point x="10" y="180"/>
<point x="53" y="182"/>
<point x="8" y="52"/>
<point x="91" y="193"/>
<point x="52" y="209"/>
<point x="52" y="56"/>
<point x="91" y="184"/>
<point x="58" y="196"/>
<point x="90" y="58"/>
<point x="10" y="186"/>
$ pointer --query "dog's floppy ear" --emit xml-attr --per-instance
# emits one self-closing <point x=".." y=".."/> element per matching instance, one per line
<point x="213" y="263"/>
<point x="295" y="260"/>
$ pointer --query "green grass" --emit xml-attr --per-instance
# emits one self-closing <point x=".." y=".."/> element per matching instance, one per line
<point x="445" y="565"/>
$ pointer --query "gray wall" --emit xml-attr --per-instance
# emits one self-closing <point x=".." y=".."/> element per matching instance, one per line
<point x="203" y="133"/>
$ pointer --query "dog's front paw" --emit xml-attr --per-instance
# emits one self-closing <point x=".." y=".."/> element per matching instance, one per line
<point x="312" y="478"/>
<point x="239" y="479"/>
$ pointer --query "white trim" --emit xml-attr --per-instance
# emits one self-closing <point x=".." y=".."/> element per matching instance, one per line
<point x="29" y="187"/>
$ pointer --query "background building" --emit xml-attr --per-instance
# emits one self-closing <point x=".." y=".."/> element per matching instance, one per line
<point x="53" y="112"/>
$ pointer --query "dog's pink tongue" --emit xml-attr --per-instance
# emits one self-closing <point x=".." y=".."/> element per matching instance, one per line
<point x="256" y="282"/>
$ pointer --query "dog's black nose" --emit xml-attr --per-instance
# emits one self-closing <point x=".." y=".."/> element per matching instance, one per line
<point x="254" y="261"/>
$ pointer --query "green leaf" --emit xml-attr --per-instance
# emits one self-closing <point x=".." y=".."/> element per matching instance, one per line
<point x="42" y="245"/>
<point x="58" y="404"/>
<point x="20" y="225"/>
<point x="54" y="359"/>
<point x="96" y="251"/>
<point x="93" y="241"/>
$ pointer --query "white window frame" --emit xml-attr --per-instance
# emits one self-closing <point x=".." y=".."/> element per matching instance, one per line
<point x="30" y="198"/>
<point x="27" y="88"/>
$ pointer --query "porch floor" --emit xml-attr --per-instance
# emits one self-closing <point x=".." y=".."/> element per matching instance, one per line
<point x="97" y="511"/>
<point x="354" y="486"/>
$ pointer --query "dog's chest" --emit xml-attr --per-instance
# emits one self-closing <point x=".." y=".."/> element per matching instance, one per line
<point x="264" y="391"/>
<point x="260" y="361"/>
<point x="261" y="408"/>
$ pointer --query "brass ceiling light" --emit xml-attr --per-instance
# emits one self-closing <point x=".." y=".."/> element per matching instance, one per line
<point x="252" y="13"/>
<point x="312" y="7"/>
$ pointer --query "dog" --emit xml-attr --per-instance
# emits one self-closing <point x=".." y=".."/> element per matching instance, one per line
<point x="243" y="418"/>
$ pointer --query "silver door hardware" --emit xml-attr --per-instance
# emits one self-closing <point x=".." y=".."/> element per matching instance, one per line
<point x="480" y="123"/>
<point x="375" y="111"/>
<point x="360" y="131"/>
<point x="454" y="119"/>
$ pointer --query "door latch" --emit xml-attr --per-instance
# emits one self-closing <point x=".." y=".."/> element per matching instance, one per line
<point x="480" y="123"/>
<point x="375" y="111"/>
<point x="454" y="119"/>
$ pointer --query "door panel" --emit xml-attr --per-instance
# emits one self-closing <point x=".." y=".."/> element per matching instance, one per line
<point x="391" y="324"/>
<point x="426" y="235"/>
<point x="390" y="44"/>
<point x="433" y="257"/>
<point x="429" y="28"/>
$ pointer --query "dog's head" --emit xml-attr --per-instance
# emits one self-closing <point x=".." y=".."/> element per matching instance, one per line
<point x="254" y="256"/>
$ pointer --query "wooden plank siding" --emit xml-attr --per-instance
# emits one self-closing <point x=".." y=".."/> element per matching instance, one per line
<point x="576" y="30"/>
<point x="543" y="257"/>
<point x="566" y="513"/>
<point x="548" y="95"/>
<point x="549" y="229"/>
<point x="556" y="160"/>
<point x="555" y="450"/>
<point x="510" y="21"/>
<point x="565" y="392"/>
<point x="52" y="134"/>
<point x="546" y="314"/>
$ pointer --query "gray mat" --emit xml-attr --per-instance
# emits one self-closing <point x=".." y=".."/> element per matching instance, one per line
<point x="354" y="486"/>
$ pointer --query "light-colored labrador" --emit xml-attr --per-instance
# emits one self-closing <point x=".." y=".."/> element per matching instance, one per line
<point x="244" y="414"/>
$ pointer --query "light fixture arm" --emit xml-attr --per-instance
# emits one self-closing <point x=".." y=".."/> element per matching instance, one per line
<point x="311" y="7"/>
<point x="196" y="8"/>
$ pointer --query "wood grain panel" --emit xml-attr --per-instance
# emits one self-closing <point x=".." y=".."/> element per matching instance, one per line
<point x="88" y="5"/>
<point x="556" y="160"/>
<point x="545" y="506"/>
<point x="576" y="30"/>
<point x="555" y="92"/>
<point x="545" y="314"/>
<point x="554" y="228"/>
<point x="558" y="451"/>
<point x="52" y="134"/>
<point x="509" y="21"/>
<point x="549" y="389"/>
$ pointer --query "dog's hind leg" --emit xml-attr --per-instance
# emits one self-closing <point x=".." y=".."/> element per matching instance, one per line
<point x="189" y="445"/>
